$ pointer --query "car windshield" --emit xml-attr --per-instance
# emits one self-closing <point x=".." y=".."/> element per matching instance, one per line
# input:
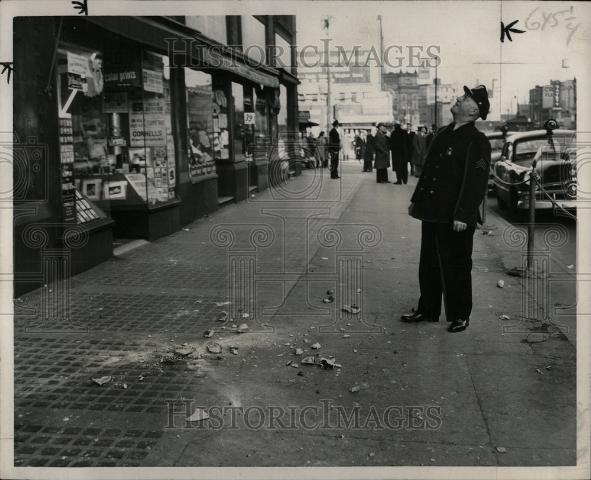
<point x="527" y="149"/>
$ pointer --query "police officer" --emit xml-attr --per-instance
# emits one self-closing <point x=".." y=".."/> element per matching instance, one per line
<point x="334" y="145"/>
<point x="446" y="200"/>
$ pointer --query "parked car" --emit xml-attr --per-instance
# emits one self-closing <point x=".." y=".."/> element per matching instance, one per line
<point x="555" y="157"/>
<point x="497" y="140"/>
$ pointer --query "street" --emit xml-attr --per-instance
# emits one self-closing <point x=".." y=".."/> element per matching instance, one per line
<point x="268" y="334"/>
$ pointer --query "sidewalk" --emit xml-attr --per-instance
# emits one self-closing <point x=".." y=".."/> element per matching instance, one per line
<point x="483" y="397"/>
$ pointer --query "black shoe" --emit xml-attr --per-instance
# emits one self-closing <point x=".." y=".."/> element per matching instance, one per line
<point x="458" y="325"/>
<point x="397" y="183"/>
<point x="418" y="317"/>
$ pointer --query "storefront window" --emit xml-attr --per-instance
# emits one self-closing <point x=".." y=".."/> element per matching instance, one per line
<point x="221" y="136"/>
<point x="200" y="126"/>
<point x="282" y="115"/>
<point x="282" y="123"/>
<point x="253" y="38"/>
<point x="244" y="121"/>
<point x="115" y="128"/>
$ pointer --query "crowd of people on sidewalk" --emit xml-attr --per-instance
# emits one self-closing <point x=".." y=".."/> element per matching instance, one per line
<point x="374" y="148"/>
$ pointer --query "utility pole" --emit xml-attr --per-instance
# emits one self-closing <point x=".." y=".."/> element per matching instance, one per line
<point x="436" y="112"/>
<point x="381" y="54"/>
<point x="326" y="23"/>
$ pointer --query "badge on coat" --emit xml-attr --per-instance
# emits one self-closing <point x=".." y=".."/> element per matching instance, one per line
<point x="449" y="151"/>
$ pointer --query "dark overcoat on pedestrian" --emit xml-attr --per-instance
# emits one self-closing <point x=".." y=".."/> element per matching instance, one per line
<point x="382" y="152"/>
<point x="399" y="148"/>
<point x="369" y="148"/>
<point x="454" y="178"/>
<point x="334" y="141"/>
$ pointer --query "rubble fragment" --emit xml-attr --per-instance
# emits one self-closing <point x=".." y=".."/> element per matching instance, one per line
<point x="100" y="381"/>
<point x="198" y="415"/>
<point x="214" y="348"/>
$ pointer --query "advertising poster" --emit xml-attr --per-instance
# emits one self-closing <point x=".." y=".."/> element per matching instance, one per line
<point x="153" y="81"/>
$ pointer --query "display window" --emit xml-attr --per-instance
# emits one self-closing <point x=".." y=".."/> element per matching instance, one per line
<point x="221" y="134"/>
<point x="116" y="141"/>
<point x="200" y="124"/>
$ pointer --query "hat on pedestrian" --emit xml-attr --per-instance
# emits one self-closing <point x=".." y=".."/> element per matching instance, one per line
<point x="480" y="95"/>
<point x="335" y="123"/>
<point x="381" y="124"/>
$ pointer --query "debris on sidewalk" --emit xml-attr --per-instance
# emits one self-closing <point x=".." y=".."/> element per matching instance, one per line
<point x="198" y="415"/>
<point x="222" y="316"/>
<point x="570" y="267"/>
<point x="308" y="360"/>
<point x="102" y="380"/>
<point x="539" y="371"/>
<point x="328" y="299"/>
<point x="299" y="351"/>
<point x="358" y="387"/>
<point x="504" y="317"/>
<point x="209" y="333"/>
<point x="242" y="328"/>
<point x="488" y="232"/>
<point x="501" y="450"/>
<point x="214" y="348"/>
<point x="358" y="290"/>
<point x="536" y="337"/>
<point x="501" y="284"/>
<point x="234" y="350"/>
<point x="346" y="335"/>
<point x="354" y="309"/>
<point x="316" y="346"/>
<point x="184" y="350"/>
<point x="326" y="362"/>
<point x="222" y="304"/>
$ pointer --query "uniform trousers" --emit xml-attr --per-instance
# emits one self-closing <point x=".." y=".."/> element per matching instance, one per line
<point x="445" y="268"/>
<point x="334" y="164"/>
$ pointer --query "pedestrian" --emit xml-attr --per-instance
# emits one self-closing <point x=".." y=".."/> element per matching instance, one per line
<point x="446" y="200"/>
<point x="382" y="154"/>
<point x="418" y="151"/>
<point x="334" y="146"/>
<point x="358" y="142"/>
<point x="321" y="151"/>
<point x="410" y="137"/>
<point x="399" y="149"/>
<point x="310" y="149"/>
<point x="368" y="154"/>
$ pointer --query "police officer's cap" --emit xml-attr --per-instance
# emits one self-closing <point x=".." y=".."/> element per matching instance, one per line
<point x="480" y="95"/>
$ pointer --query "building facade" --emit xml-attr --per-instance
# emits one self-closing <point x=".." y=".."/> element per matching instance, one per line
<point x="356" y="98"/>
<point x="142" y="125"/>
<point x="558" y="100"/>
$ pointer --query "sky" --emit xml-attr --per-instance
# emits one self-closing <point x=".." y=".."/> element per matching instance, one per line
<point x="468" y="36"/>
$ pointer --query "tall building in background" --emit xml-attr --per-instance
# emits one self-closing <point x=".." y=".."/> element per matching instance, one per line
<point x="558" y="100"/>
<point x="356" y="98"/>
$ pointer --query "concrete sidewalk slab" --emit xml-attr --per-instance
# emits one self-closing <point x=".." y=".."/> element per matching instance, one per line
<point x="274" y="258"/>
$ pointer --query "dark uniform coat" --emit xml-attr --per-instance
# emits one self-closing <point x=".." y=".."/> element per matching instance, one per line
<point x="382" y="159"/>
<point x="399" y="147"/>
<point x="334" y="141"/>
<point x="454" y="178"/>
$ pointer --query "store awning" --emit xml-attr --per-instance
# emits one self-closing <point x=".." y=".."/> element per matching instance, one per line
<point x="158" y="32"/>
